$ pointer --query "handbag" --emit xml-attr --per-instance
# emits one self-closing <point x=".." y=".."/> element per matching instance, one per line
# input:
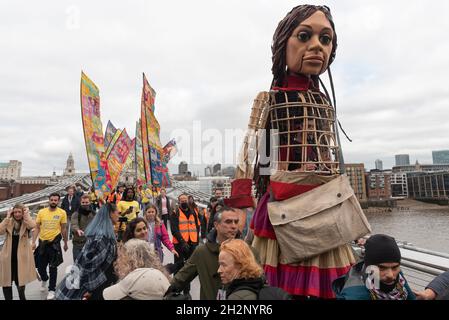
<point x="317" y="221"/>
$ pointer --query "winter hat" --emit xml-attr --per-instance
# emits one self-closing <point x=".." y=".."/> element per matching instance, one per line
<point x="381" y="248"/>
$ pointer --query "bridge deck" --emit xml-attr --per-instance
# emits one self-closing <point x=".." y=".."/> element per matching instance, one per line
<point x="32" y="290"/>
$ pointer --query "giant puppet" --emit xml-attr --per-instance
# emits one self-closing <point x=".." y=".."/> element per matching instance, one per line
<point x="307" y="213"/>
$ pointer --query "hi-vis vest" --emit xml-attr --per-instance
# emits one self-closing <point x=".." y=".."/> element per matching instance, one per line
<point x="187" y="228"/>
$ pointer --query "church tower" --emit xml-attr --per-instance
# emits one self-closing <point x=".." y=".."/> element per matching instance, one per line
<point x="69" y="170"/>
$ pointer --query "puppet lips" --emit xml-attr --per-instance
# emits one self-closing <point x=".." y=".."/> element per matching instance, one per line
<point x="314" y="59"/>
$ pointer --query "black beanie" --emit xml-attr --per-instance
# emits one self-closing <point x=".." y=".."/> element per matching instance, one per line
<point x="381" y="248"/>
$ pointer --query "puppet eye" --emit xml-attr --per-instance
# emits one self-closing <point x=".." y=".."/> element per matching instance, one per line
<point x="325" y="39"/>
<point x="303" y="36"/>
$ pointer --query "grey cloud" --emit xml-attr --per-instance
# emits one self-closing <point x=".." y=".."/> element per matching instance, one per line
<point x="207" y="60"/>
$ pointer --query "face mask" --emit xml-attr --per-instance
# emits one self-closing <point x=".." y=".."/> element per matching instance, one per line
<point x="184" y="206"/>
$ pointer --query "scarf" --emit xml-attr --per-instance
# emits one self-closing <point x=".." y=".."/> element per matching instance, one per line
<point x="298" y="82"/>
<point x="16" y="227"/>
<point x="398" y="293"/>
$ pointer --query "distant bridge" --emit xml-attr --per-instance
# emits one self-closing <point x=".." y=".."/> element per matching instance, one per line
<point x="82" y="179"/>
<point x="39" y="198"/>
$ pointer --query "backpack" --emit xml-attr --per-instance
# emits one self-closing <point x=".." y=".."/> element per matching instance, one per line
<point x="269" y="293"/>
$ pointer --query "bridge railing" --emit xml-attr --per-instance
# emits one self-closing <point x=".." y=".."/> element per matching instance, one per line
<point x="84" y="180"/>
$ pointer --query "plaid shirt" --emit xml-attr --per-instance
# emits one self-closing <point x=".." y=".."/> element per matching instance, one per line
<point x="90" y="269"/>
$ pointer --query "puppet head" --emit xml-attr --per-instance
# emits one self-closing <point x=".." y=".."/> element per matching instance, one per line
<point x="304" y="43"/>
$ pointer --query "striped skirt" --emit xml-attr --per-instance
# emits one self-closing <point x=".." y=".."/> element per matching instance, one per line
<point x="311" y="277"/>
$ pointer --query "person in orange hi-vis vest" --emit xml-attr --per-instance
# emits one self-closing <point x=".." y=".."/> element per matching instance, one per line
<point x="185" y="228"/>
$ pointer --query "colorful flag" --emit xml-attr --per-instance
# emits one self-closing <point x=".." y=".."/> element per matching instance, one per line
<point x="151" y="143"/>
<point x="140" y="168"/>
<point x="118" y="156"/>
<point x="148" y="94"/>
<point x="130" y="161"/>
<point x="145" y="145"/>
<point x="109" y="134"/>
<point x="114" y="139"/>
<point x="93" y="135"/>
<point x="170" y="150"/>
<point x="159" y="170"/>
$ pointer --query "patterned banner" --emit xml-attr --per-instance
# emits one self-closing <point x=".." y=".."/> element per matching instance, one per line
<point x="145" y="146"/>
<point x="118" y="156"/>
<point x="114" y="139"/>
<point x="151" y="128"/>
<point x="140" y="168"/>
<point x="109" y="134"/>
<point x="170" y="150"/>
<point x="130" y="161"/>
<point x="159" y="170"/>
<point x="93" y="135"/>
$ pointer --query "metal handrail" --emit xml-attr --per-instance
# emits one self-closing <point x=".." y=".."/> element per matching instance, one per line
<point x="45" y="192"/>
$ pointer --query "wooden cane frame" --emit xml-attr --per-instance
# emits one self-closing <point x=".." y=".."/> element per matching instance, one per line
<point x="305" y="131"/>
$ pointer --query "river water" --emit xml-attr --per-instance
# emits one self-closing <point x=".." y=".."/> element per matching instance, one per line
<point x="424" y="225"/>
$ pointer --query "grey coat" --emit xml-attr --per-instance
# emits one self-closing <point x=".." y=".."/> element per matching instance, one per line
<point x="440" y="285"/>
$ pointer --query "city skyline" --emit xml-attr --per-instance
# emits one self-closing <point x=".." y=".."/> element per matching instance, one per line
<point x="174" y="168"/>
<point x="212" y="71"/>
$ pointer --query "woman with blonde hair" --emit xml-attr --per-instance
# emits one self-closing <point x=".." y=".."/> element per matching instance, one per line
<point x="16" y="257"/>
<point x="134" y="254"/>
<point x="239" y="271"/>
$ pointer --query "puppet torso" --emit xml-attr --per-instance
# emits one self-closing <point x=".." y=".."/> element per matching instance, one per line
<point x="304" y="136"/>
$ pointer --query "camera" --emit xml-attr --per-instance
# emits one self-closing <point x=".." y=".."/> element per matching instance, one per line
<point x="123" y="219"/>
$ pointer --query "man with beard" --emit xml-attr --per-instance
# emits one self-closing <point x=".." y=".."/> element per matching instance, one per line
<point x="80" y="220"/>
<point x="378" y="277"/>
<point x="204" y="260"/>
<point x="50" y="225"/>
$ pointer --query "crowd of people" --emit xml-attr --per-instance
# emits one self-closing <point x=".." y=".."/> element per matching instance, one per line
<point x="118" y="252"/>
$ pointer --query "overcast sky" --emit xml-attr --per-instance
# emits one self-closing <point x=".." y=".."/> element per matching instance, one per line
<point x="207" y="60"/>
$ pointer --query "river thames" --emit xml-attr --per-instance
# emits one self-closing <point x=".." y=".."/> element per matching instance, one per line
<point x="424" y="225"/>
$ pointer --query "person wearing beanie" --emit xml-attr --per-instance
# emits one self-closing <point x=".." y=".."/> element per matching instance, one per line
<point x="378" y="276"/>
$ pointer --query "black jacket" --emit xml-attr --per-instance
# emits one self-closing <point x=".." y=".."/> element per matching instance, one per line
<point x="70" y="207"/>
<point x="244" y="289"/>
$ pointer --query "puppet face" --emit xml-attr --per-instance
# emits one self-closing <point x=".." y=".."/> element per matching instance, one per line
<point x="310" y="45"/>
